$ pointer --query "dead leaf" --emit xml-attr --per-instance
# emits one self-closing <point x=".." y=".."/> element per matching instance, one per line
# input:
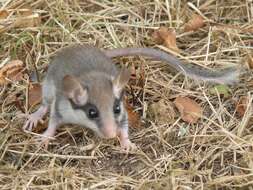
<point x="242" y="105"/>
<point x="12" y="71"/>
<point x="167" y="37"/>
<point x="34" y="94"/>
<point x="194" y="23"/>
<point x="133" y="117"/>
<point x="4" y="14"/>
<point x="157" y="35"/>
<point x="162" y="111"/>
<point x="189" y="109"/>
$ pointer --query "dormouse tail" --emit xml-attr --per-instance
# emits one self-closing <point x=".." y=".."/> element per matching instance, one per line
<point x="224" y="76"/>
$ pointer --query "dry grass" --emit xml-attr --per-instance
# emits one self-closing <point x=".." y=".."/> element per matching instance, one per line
<point x="216" y="153"/>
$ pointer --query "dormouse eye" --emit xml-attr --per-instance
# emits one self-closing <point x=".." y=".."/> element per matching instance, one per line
<point x="90" y="110"/>
<point x="116" y="107"/>
<point x="92" y="113"/>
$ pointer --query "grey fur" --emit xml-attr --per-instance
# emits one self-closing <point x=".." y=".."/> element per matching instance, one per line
<point x="103" y="83"/>
<point x="224" y="76"/>
<point x="95" y="72"/>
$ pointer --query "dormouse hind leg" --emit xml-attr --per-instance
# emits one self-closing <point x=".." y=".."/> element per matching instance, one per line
<point x="34" y="118"/>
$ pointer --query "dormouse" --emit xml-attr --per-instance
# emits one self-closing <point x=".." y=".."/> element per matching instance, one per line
<point x="83" y="87"/>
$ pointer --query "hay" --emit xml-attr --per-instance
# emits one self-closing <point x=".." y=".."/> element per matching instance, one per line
<point x="216" y="153"/>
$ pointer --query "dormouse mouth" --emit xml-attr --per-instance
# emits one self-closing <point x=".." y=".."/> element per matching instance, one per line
<point x="102" y="135"/>
<point x="110" y="136"/>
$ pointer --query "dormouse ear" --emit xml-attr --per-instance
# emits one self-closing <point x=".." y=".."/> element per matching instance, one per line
<point x="74" y="90"/>
<point x="120" y="81"/>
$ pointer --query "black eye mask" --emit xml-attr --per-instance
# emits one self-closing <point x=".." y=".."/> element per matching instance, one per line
<point x="117" y="107"/>
<point x="90" y="110"/>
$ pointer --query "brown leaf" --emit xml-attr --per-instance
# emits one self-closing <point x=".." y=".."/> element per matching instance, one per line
<point x="11" y="71"/>
<point x="4" y="14"/>
<point x="157" y="36"/>
<point x="242" y="105"/>
<point x="34" y="94"/>
<point x="190" y="110"/>
<point x="195" y="23"/>
<point x="167" y="37"/>
<point x="133" y="117"/>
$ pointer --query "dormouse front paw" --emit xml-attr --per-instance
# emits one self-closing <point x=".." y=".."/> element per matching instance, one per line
<point x="34" y="118"/>
<point x="127" y="145"/>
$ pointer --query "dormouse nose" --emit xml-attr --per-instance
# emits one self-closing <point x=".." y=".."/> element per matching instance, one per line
<point x="109" y="129"/>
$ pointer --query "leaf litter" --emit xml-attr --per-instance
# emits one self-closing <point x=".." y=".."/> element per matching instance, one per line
<point x="189" y="109"/>
<point x="195" y="23"/>
<point x="12" y="71"/>
<point x="208" y="154"/>
<point x="166" y="37"/>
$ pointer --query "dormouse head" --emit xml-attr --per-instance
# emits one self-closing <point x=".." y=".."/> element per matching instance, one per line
<point x="97" y="101"/>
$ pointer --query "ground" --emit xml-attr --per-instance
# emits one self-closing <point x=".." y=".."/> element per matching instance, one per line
<point x="214" y="153"/>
